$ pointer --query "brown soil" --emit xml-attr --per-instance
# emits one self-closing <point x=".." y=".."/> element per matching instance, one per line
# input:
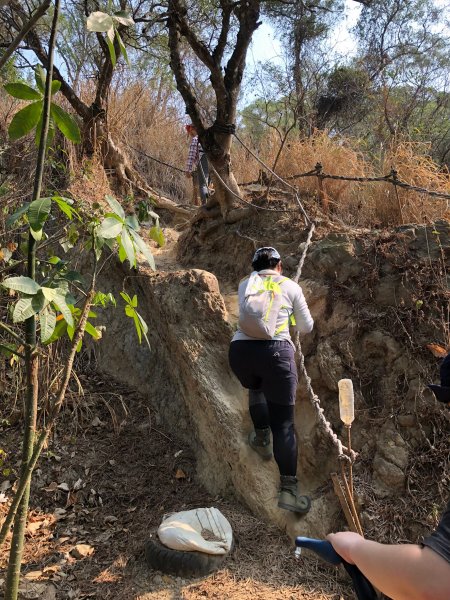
<point x="122" y="474"/>
<point x="103" y="486"/>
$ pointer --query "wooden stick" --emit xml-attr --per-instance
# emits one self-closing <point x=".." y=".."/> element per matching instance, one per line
<point x="343" y="501"/>
<point x="351" y="503"/>
<point x="350" y="467"/>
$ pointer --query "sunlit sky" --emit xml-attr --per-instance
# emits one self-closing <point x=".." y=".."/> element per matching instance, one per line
<point x="265" y="45"/>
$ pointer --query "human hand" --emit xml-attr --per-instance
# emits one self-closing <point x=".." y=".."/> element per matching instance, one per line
<point x="344" y="542"/>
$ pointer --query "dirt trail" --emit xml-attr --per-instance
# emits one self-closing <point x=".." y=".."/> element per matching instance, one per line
<point x="166" y="260"/>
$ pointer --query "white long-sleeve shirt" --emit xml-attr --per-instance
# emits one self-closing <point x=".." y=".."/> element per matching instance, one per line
<point x="293" y="303"/>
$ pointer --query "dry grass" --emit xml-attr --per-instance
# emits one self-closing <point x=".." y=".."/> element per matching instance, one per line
<point x="148" y="116"/>
<point x="355" y="203"/>
<point x="414" y="166"/>
<point x="145" y="118"/>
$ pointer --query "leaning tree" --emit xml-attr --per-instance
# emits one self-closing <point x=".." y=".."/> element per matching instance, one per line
<point x="221" y="45"/>
<point x="125" y="26"/>
<point x="217" y="33"/>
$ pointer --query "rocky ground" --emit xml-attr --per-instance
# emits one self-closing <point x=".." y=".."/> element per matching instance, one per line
<point x="173" y="436"/>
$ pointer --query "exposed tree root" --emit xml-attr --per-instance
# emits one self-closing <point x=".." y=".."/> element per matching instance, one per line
<point x="214" y="226"/>
<point x="128" y="177"/>
<point x="204" y="213"/>
<point x="238" y="214"/>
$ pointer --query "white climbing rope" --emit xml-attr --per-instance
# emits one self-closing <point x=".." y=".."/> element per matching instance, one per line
<point x="343" y="452"/>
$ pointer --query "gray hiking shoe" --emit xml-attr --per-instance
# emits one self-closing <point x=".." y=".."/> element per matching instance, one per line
<point x="290" y="499"/>
<point x="259" y="440"/>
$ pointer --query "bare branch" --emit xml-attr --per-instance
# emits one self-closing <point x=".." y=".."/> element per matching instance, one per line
<point x="23" y="32"/>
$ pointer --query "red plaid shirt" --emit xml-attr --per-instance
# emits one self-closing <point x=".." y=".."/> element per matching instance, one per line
<point x="194" y="155"/>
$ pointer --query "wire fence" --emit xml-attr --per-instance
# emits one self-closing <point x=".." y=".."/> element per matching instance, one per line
<point x="391" y="177"/>
<point x="318" y="172"/>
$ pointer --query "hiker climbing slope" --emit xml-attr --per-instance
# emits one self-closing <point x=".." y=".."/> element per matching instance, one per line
<point x="261" y="356"/>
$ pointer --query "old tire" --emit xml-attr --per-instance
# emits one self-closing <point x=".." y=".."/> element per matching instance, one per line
<point x="177" y="562"/>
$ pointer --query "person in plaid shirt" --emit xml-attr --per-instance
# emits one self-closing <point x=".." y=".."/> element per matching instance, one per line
<point x="197" y="164"/>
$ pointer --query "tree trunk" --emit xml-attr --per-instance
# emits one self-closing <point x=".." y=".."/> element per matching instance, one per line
<point x="94" y="130"/>
<point x="227" y="192"/>
<point x="114" y="158"/>
<point x="31" y="360"/>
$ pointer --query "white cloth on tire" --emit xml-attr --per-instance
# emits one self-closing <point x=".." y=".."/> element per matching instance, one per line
<point x="184" y="531"/>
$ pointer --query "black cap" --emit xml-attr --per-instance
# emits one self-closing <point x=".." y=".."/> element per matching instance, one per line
<point x="442" y="392"/>
<point x="269" y="250"/>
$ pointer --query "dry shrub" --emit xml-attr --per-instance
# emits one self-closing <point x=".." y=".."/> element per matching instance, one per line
<point x="144" y="117"/>
<point x="413" y="164"/>
<point x="89" y="182"/>
<point x="351" y="202"/>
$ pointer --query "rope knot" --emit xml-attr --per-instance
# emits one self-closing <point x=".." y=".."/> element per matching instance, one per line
<point x="229" y="128"/>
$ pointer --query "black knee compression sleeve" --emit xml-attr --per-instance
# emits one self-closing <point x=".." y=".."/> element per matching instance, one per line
<point x="284" y="438"/>
<point x="258" y="409"/>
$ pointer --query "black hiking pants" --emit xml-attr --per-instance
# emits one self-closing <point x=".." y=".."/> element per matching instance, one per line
<point x="267" y="369"/>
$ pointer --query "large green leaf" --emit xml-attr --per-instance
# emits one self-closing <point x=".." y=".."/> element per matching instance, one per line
<point x="123" y="50"/>
<point x="143" y="248"/>
<point x="22" y="91"/>
<point x="37" y="234"/>
<point x="49" y="293"/>
<point x="65" y="206"/>
<point x="110" y="228"/>
<point x="50" y="132"/>
<point x="39" y="77"/>
<point x="60" y="303"/>
<point x="26" y="285"/>
<point x="48" y="323"/>
<point x="23" y="309"/>
<point x="39" y="302"/>
<point x="16" y="216"/>
<point x="132" y="221"/>
<point x="59" y="331"/>
<point x="92" y="331"/>
<point x="122" y="252"/>
<point x="99" y="21"/>
<point x="25" y="120"/>
<point x="128" y="247"/>
<point x="157" y="235"/>
<point x="56" y="86"/>
<point x="65" y="123"/>
<point x="38" y="213"/>
<point x="110" y="41"/>
<point x="99" y="242"/>
<point x="116" y="206"/>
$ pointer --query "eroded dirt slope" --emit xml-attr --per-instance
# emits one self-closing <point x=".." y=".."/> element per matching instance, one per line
<point x="378" y="299"/>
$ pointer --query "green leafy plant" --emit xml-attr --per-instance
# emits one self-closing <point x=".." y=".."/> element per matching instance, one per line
<point x="130" y="311"/>
<point x="157" y="235"/>
<point x="102" y="22"/>
<point x="51" y="299"/>
<point x="124" y="229"/>
<point x="30" y="117"/>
